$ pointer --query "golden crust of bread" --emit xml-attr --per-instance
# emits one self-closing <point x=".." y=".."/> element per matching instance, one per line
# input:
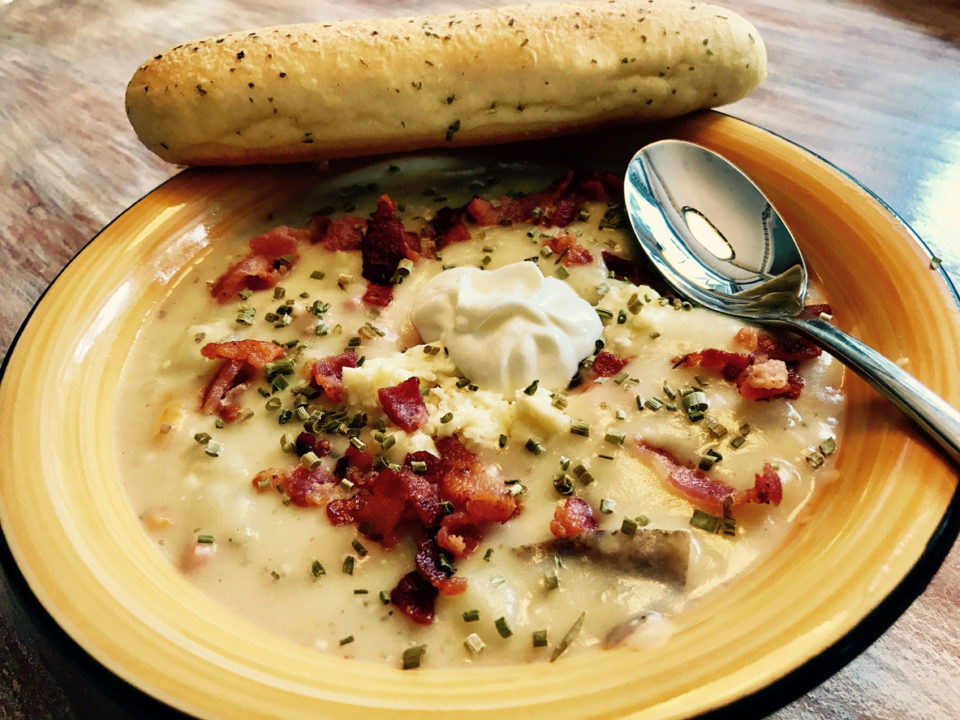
<point x="306" y="92"/>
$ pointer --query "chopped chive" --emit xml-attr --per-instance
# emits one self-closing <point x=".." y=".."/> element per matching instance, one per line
<point x="579" y="428"/>
<point x="614" y="437"/>
<point x="488" y="555"/>
<point x="604" y="314"/>
<point x="621" y="415"/>
<point x="202" y="438"/>
<point x="827" y="446"/>
<point x="695" y="402"/>
<point x="531" y="389"/>
<point x="935" y="262"/>
<point x="539" y="638"/>
<point x="503" y="627"/>
<point x="716" y="428"/>
<point x="706" y="462"/>
<point x="473" y="643"/>
<point x="705" y="521"/>
<point x="654" y="403"/>
<point x="412" y="656"/>
<point x="358" y="546"/>
<point x="446" y="418"/>
<point x="361" y="591"/>
<point x="502" y="441"/>
<point x="568" y="638"/>
<point x="639" y="402"/>
<point x="418" y="466"/>
<point x="264" y="483"/>
<point x="534" y="446"/>
<point x="309" y="460"/>
<point x="607" y="506"/>
<point x="738" y="441"/>
<point x="729" y="526"/>
<point x="563" y="484"/>
<point x="560" y="401"/>
<point x="629" y="527"/>
<point x="814" y="460"/>
<point x="642" y="520"/>
<point x="348" y="563"/>
<point x="603" y="289"/>
<point x="358" y="443"/>
<point x="245" y="294"/>
<point x="205" y="539"/>
<point x="471" y="615"/>
<point x="346" y="641"/>
<point x="621" y="376"/>
<point x="317" y="275"/>
<point x="384" y="597"/>
<point x="562" y="273"/>
<point x="316" y="569"/>
<point x="213" y="448"/>
<point x="551" y="581"/>
<point x="446" y="507"/>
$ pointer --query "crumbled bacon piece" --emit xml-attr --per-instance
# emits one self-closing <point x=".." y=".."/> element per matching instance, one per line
<point x="379" y="295"/>
<point x="606" y="364"/>
<point x="403" y="404"/>
<point x="572" y="518"/>
<point x="430" y="565"/>
<point x="308" y="442"/>
<point x="304" y="487"/>
<point x="449" y="228"/>
<point x="769" y="371"/>
<point x="565" y="212"/>
<point x="253" y="352"/>
<point x="630" y="270"/>
<point x="327" y="373"/>
<point x="573" y="253"/>
<point x="385" y="243"/>
<point x="818" y="309"/>
<point x="712" y="495"/>
<point x="482" y="212"/>
<point x="242" y="358"/>
<point x="468" y="485"/>
<point x="748" y="337"/>
<point x="415" y="597"/>
<point x="342" y="233"/>
<point x="460" y="533"/>
<point x="271" y="255"/>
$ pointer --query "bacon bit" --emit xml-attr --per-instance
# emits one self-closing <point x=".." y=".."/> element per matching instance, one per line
<point x="403" y="404"/>
<point x="564" y="213"/>
<point x="606" y="364"/>
<point x="242" y="358"/>
<point x="791" y="348"/>
<point x="767" y="488"/>
<point x="343" y="233"/>
<point x="482" y="212"/>
<point x="460" y="533"/>
<point x="572" y="518"/>
<point x="304" y="487"/>
<point x="308" y="442"/>
<point x="764" y="379"/>
<point x="767" y="372"/>
<point x="379" y="295"/>
<point x="712" y="495"/>
<point x="630" y="270"/>
<point x="602" y="187"/>
<point x="415" y="597"/>
<point x="327" y="373"/>
<point x="522" y="209"/>
<point x="449" y="228"/>
<point x="468" y="485"/>
<point x="253" y="352"/>
<point x="258" y="270"/>
<point x="573" y="254"/>
<point x="748" y="337"/>
<point x="818" y="310"/>
<point x="430" y="567"/>
<point x="385" y="243"/>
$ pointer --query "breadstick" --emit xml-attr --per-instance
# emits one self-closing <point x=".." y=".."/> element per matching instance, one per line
<point x="305" y="92"/>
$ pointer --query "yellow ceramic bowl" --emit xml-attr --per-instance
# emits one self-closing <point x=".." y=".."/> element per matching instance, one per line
<point x="842" y="575"/>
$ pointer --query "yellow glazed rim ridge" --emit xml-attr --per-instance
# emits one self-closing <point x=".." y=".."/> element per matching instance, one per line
<point x="84" y="555"/>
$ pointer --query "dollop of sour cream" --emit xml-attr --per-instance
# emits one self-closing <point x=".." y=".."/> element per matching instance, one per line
<point x="506" y="328"/>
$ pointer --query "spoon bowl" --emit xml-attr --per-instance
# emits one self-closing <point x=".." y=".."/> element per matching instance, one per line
<point x="719" y="242"/>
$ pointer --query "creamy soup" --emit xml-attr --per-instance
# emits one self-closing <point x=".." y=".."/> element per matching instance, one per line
<point x="577" y="458"/>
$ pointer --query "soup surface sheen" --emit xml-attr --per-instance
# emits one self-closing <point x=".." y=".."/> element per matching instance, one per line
<point x="621" y="444"/>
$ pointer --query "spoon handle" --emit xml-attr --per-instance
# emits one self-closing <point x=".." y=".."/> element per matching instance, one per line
<point x="938" y="419"/>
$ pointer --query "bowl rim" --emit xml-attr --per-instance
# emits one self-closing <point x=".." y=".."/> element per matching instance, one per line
<point x="762" y="701"/>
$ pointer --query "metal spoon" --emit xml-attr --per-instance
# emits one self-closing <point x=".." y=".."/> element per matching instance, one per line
<point x="718" y="241"/>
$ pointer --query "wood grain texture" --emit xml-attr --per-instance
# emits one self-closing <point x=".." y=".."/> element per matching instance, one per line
<point x="871" y="85"/>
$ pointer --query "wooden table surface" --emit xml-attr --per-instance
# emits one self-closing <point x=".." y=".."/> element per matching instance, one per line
<point x="871" y="85"/>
